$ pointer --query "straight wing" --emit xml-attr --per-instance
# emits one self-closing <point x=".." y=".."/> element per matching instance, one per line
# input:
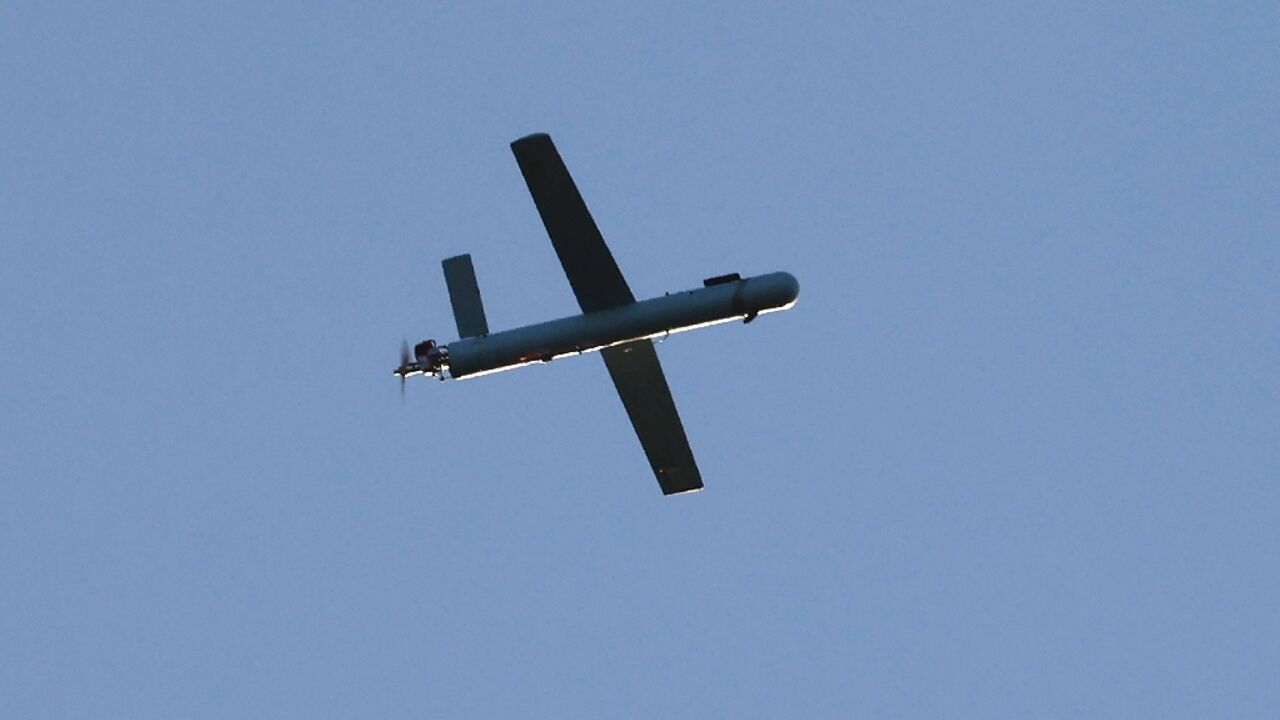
<point x="637" y="375"/>
<point x="592" y="272"/>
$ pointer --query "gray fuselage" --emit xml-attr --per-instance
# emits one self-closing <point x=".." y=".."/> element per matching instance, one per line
<point x="746" y="298"/>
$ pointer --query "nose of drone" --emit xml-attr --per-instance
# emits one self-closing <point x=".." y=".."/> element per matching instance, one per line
<point x="775" y="291"/>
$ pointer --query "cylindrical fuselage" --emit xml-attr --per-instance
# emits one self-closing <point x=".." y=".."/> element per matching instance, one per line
<point x="595" y="330"/>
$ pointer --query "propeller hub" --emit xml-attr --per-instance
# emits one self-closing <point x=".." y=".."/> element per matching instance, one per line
<point x="427" y="359"/>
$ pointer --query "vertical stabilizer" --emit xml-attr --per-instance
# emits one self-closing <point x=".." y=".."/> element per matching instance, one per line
<point x="464" y="295"/>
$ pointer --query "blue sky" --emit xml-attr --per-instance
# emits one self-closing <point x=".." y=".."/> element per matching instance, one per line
<point x="1013" y="454"/>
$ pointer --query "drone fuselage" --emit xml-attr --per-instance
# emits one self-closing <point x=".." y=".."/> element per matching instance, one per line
<point x="723" y="301"/>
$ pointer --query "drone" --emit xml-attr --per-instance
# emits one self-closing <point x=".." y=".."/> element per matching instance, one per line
<point x="612" y="321"/>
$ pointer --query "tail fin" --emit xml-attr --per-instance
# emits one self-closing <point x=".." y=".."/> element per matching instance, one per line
<point x="464" y="294"/>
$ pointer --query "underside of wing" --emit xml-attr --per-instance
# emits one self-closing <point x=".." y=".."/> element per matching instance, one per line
<point x="637" y="375"/>
<point x="586" y="260"/>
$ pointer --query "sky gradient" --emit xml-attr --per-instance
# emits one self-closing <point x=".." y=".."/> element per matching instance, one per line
<point x="1014" y="453"/>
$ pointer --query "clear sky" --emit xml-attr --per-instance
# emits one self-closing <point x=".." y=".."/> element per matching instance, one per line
<point x="1014" y="453"/>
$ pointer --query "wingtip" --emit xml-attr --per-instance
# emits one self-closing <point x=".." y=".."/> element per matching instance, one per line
<point x="679" y="480"/>
<point x="685" y="491"/>
<point x="532" y="138"/>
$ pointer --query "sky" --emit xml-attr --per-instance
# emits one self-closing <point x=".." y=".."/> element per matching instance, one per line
<point x="1014" y="453"/>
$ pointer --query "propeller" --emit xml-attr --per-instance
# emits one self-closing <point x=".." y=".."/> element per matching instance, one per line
<point x="404" y="360"/>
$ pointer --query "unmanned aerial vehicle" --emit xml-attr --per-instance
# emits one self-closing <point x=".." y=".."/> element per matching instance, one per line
<point x="612" y="321"/>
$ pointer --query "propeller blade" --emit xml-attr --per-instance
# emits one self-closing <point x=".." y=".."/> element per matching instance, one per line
<point x="401" y="369"/>
<point x="404" y="352"/>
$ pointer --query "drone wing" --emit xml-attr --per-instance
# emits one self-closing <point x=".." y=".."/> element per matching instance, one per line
<point x="637" y="375"/>
<point x="599" y="285"/>
<point x="593" y="274"/>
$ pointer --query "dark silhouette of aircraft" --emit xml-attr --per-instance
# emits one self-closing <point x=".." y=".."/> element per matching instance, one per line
<point x="612" y="321"/>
